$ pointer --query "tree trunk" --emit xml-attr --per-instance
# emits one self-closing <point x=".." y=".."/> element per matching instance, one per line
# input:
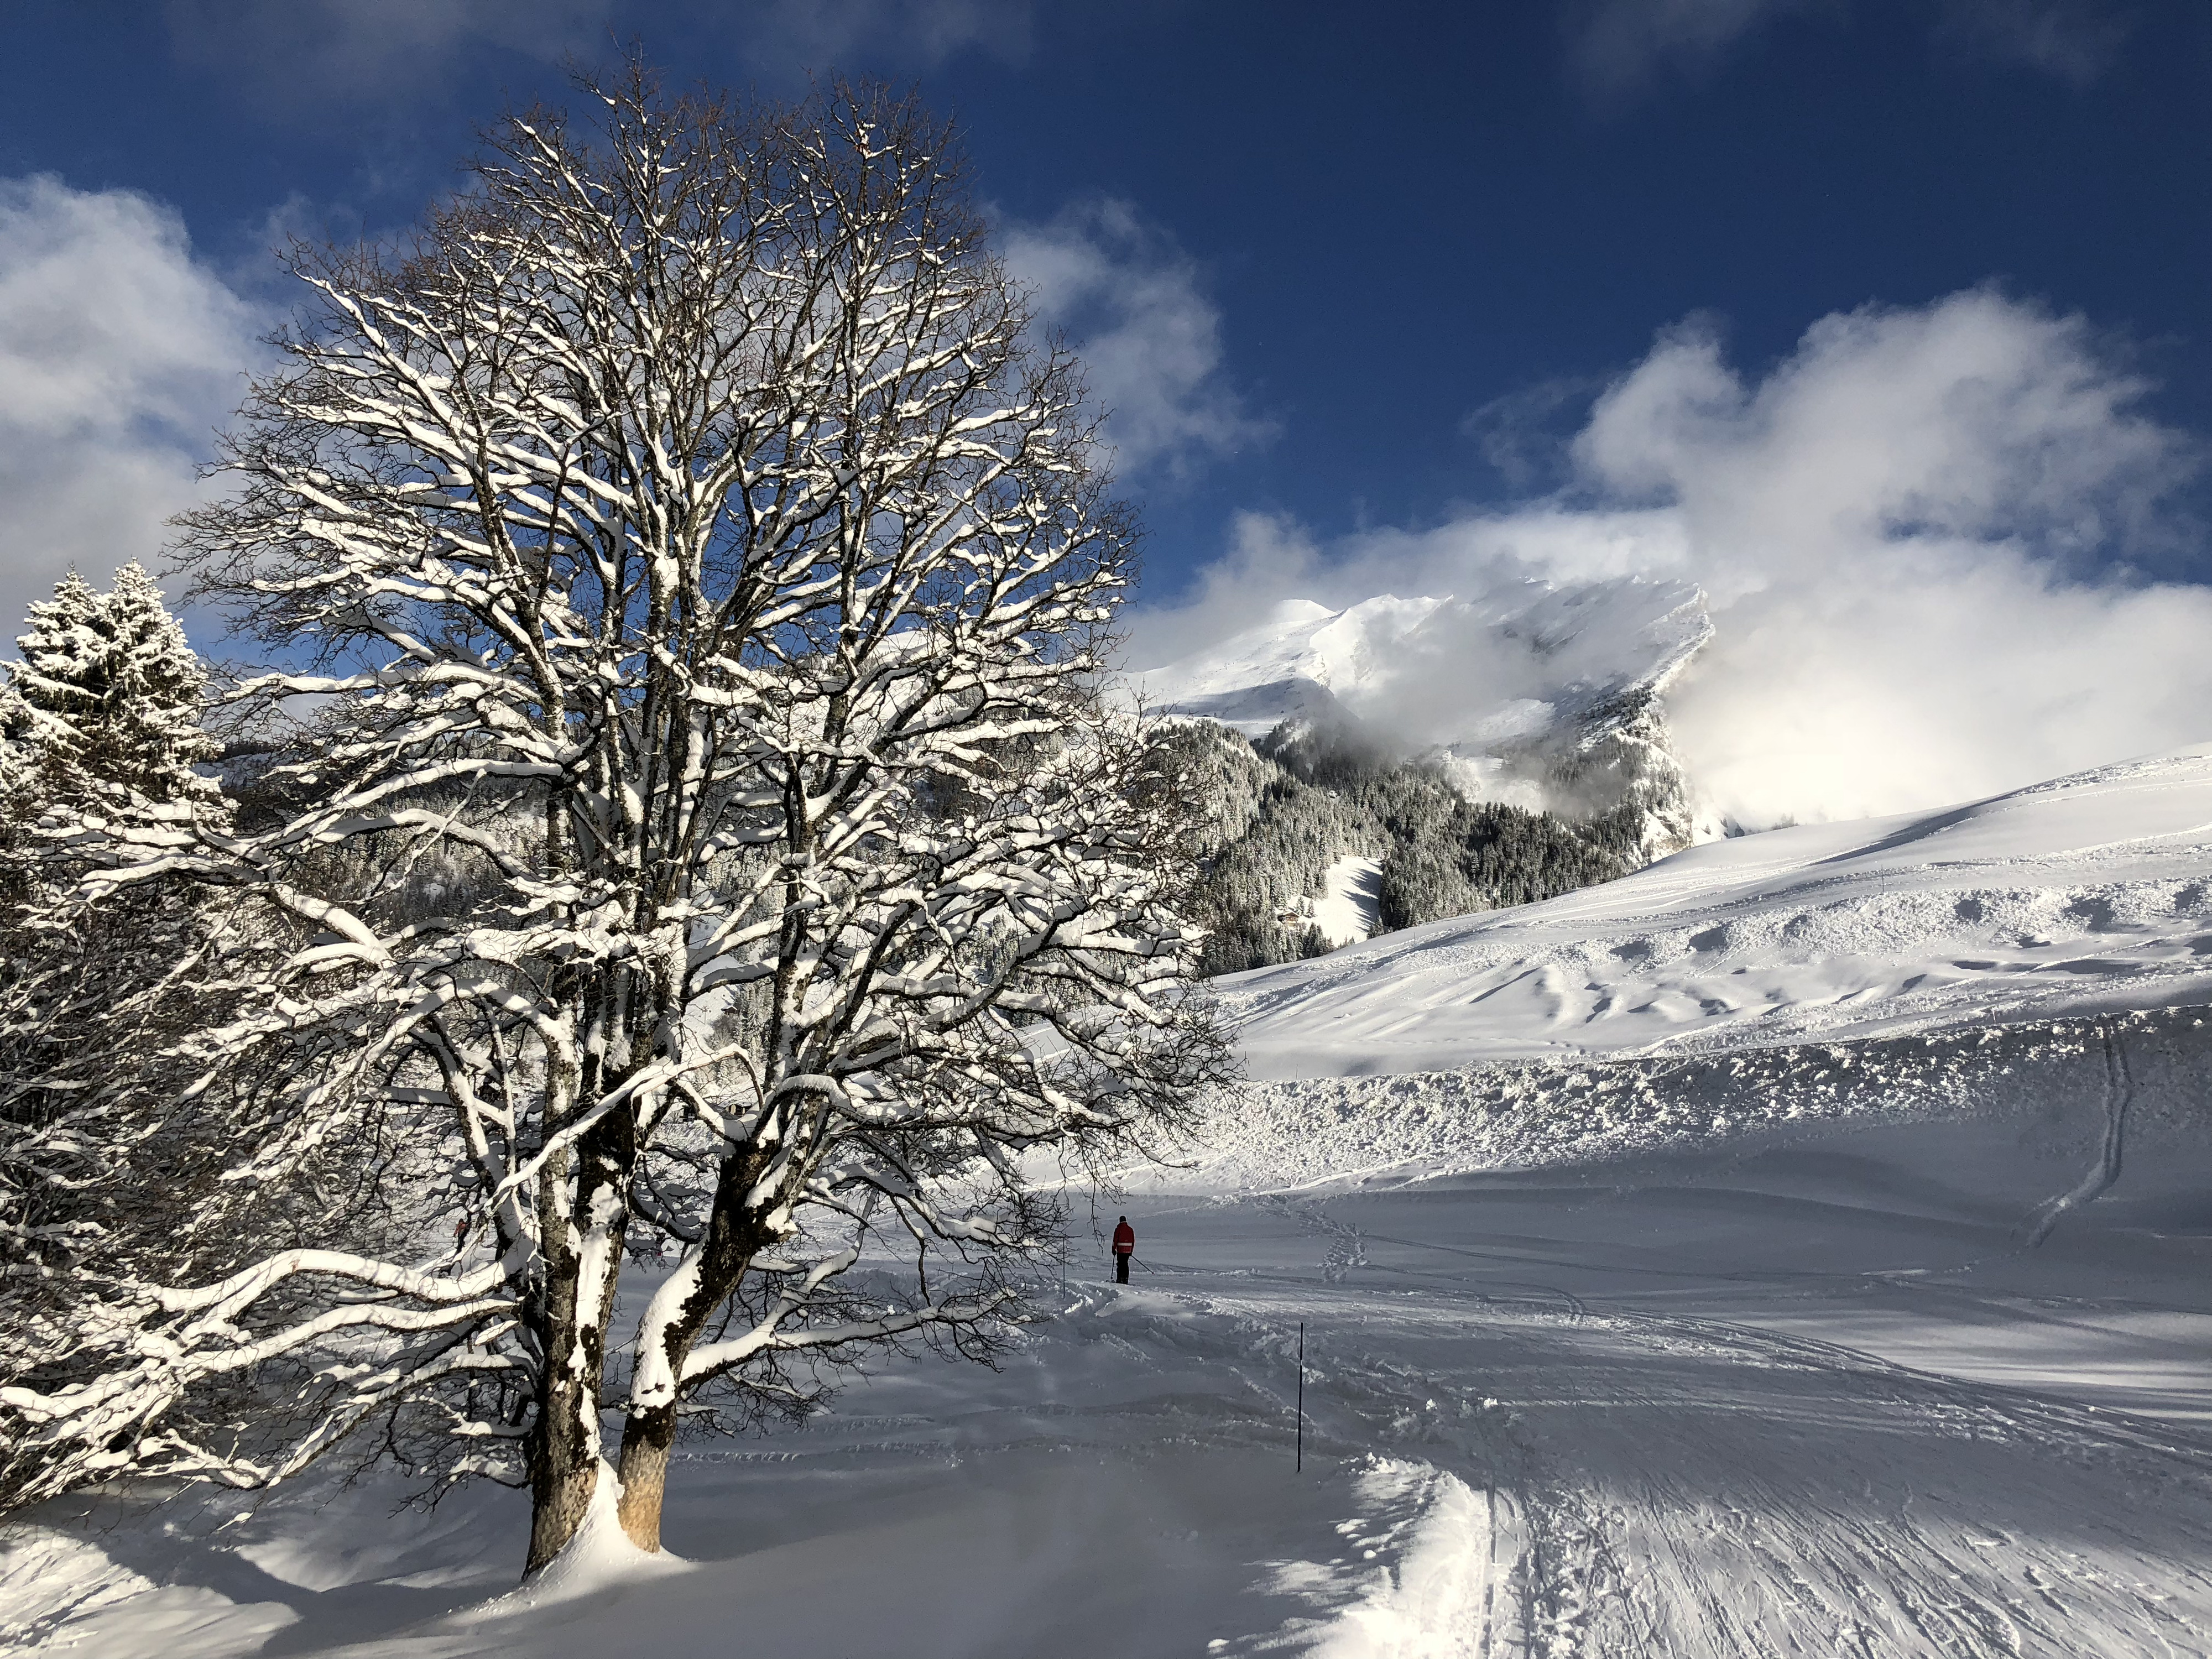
<point x="564" y="1462"/>
<point x="564" y="1455"/>
<point x="671" y="1322"/>
<point x="647" y="1437"/>
<point x="559" y="1498"/>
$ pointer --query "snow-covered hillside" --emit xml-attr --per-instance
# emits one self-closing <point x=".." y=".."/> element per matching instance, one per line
<point x="1793" y="1385"/>
<point x="1776" y="1273"/>
<point x="2089" y="892"/>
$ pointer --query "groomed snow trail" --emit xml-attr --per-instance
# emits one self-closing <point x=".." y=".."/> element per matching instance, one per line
<point x="1686" y="1485"/>
<point x="1517" y="1444"/>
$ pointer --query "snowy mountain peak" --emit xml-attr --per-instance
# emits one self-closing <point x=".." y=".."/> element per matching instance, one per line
<point x="1299" y="642"/>
<point x="1497" y="666"/>
<point x="1534" y="693"/>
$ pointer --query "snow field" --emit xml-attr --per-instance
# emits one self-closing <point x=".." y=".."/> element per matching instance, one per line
<point x="2088" y="894"/>
<point x="2032" y="1102"/>
<point x="1346" y="911"/>
<point x="1733" y="1343"/>
<point x="1794" y="1385"/>
<point x="66" y="1593"/>
<point x="1128" y="1479"/>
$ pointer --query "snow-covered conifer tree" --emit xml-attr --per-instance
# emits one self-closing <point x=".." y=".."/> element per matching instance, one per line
<point x="103" y="712"/>
<point x="107" y="696"/>
<point x="102" y="715"/>
<point x="708" y="573"/>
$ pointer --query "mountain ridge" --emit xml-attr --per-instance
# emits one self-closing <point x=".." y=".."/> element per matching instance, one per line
<point x="1532" y="694"/>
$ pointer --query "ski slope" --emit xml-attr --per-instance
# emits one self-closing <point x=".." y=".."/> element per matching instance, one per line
<point x="2093" y="891"/>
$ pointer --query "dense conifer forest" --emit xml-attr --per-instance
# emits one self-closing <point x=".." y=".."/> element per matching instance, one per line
<point x="1285" y="809"/>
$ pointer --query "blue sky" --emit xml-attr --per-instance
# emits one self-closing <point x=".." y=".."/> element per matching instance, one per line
<point x="1355" y="279"/>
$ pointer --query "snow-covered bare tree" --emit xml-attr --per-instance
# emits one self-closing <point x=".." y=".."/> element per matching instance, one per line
<point x="686" y="551"/>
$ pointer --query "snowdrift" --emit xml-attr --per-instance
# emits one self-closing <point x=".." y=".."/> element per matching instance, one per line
<point x="2001" y="1127"/>
<point x="2088" y="894"/>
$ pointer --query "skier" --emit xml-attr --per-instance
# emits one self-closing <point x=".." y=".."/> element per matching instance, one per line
<point x="1125" y="1246"/>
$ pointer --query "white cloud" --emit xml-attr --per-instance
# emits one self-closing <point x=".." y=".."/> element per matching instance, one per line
<point x="1515" y="431"/>
<point x="316" y="54"/>
<point x="313" y="52"/>
<point x="2076" y="40"/>
<point x="1131" y="302"/>
<point x="1913" y="533"/>
<point x="817" y="34"/>
<point x="1619" y="48"/>
<point x="119" y="355"/>
<point x="1975" y="419"/>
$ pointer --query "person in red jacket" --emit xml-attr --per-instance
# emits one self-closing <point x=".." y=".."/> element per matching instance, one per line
<point x="1125" y="1246"/>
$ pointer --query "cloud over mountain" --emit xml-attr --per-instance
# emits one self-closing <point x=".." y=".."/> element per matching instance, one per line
<point x="1914" y="534"/>
<point x="1149" y="334"/>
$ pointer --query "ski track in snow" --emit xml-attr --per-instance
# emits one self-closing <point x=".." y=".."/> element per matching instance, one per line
<point x="1687" y="1485"/>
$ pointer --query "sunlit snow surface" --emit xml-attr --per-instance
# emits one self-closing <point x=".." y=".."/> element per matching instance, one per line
<point x="1351" y="891"/>
<point x="1739" y="1349"/>
<point x="2093" y="891"/>
<point x="1797" y="1392"/>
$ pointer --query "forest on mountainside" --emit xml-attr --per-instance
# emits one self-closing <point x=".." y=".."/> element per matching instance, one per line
<point x="1283" y="809"/>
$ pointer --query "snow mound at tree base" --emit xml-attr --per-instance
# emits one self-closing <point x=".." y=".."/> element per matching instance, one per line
<point x="601" y="1557"/>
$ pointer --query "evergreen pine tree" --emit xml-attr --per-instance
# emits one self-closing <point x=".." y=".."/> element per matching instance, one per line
<point x="108" y="695"/>
<point x="103" y="712"/>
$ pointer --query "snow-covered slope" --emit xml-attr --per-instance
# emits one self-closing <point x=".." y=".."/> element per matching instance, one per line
<point x="2090" y="892"/>
<point x="1770" y="1352"/>
<point x="1346" y="911"/>
<point x="1791" y="1388"/>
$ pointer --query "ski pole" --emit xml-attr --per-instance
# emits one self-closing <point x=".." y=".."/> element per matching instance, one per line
<point x="1302" y="1396"/>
